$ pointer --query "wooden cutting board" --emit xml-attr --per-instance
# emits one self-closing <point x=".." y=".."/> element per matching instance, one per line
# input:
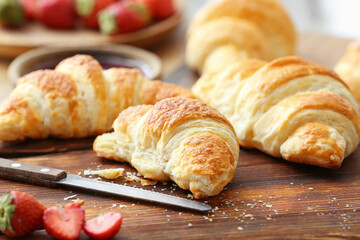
<point x="267" y="199"/>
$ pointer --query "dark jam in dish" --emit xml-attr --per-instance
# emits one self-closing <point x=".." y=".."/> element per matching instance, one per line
<point x="106" y="61"/>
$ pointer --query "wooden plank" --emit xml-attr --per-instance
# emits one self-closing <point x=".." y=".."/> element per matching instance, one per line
<point x="35" y="147"/>
<point x="267" y="198"/>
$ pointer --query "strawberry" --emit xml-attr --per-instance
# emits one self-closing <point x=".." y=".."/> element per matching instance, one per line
<point x="11" y="13"/>
<point x="88" y="10"/>
<point x="64" y="222"/>
<point x="29" y="7"/>
<point x="159" y="9"/>
<point x="57" y="13"/>
<point x="123" y="17"/>
<point x="104" y="226"/>
<point x="20" y="214"/>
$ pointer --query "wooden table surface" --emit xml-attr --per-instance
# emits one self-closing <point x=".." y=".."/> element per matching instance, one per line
<point x="267" y="199"/>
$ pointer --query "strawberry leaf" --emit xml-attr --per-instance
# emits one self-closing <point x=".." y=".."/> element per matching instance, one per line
<point x="85" y="7"/>
<point x="6" y="213"/>
<point x="107" y="23"/>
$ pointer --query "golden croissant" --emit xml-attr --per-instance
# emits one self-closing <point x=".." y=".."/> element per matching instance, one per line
<point x="180" y="139"/>
<point x="289" y="108"/>
<point x="225" y="31"/>
<point x="348" y="69"/>
<point x="77" y="99"/>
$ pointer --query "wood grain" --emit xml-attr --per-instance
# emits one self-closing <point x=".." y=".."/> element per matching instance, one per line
<point x="29" y="173"/>
<point x="268" y="198"/>
<point x="36" y="147"/>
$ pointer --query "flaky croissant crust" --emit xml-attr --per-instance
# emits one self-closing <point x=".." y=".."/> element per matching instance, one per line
<point x="177" y="138"/>
<point x="289" y="108"/>
<point x="348" y="68"/>
<point x="225" y="31"/>
<point x="77" y="99"/>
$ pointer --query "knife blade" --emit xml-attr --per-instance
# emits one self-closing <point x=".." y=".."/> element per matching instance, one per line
<point x="52" y="177"/>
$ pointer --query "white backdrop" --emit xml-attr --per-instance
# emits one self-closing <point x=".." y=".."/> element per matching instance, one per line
<point x="333" y="17"/>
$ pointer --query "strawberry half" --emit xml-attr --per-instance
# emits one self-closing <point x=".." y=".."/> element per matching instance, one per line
<point x="88" y="10"/>
<point x="20" y="214"/>
<point x="104" y="226"/>
<point x="123" y="17"/>
<point x="64" y="222"/>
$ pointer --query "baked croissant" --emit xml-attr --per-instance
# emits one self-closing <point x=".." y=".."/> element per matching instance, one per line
<point x="77" y="99"/>
<point x="180" y="139"/>
<point x="349" y="69"/>
<point x="225" y="31"/>
<point x="289" y="108"/>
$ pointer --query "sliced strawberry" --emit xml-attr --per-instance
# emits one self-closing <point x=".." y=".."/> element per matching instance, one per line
<point x="88" y="10"/>
<point x="57" y="13"/>
<point x="159" y="9"/>
<point x="104" y="226"/>
<point x="20" y="214"/>
<point x="123" y="17"/>
<point x="64" y="222"/>
<point x="11" y="13"/>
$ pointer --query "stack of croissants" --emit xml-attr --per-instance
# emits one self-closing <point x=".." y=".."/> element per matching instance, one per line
<point x="252" y="93"/>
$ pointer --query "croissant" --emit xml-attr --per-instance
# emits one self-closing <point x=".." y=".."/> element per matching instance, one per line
<point x="349" y="69"/>
<point x="77" y="99"/>
<point x="225" y="31"/>
<point x="180" y="139"/>
<point x="289" y="108"/>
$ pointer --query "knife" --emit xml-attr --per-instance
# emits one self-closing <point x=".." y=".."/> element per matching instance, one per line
<point x="51" y="177"/>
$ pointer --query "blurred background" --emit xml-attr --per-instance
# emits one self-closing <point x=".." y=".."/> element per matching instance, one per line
<point x="324" y="27"/>
<point x="339" y="18"/>
<point x="333" y="17"/>
<point x="315" y="21"/>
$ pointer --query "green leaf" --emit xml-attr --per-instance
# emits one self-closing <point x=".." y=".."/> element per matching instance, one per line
<point x="84" y="7"/>
<point x="107" y="23"/>
<point x="6" y="213"/>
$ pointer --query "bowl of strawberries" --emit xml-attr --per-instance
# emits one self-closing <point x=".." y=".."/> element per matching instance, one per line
<point x="27" y="24"/>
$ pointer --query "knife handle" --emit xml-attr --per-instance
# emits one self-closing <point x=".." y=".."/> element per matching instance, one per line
<point x="24" y="172"/>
